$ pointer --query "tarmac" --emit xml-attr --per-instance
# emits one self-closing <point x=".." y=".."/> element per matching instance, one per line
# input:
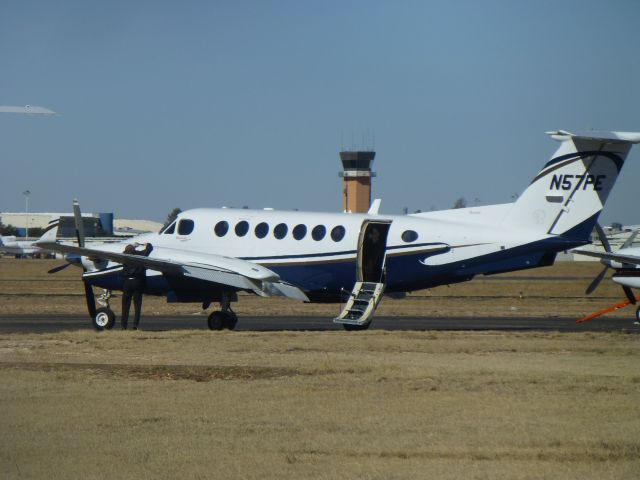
<point x="62" y="323"/>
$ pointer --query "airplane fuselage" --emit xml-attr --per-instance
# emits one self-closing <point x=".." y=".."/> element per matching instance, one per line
<point x="319" y="252"/>
<point x="18" y="247"/>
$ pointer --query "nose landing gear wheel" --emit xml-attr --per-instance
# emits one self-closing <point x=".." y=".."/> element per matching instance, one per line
<point x="104" y="319"/>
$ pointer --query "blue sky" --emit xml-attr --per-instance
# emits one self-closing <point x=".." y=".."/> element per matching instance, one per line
<point x="191" y="104"/>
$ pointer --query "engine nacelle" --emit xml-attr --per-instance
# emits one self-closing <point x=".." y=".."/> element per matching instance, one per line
<point x="89" y="264"/>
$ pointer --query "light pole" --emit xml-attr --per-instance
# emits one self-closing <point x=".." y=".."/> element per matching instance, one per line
<point x="26" y="194"/>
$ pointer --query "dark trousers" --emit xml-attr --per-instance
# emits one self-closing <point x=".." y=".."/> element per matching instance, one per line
<point x="132" y="290"/>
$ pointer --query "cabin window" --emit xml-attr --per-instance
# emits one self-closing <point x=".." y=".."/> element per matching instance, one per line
<point x="170" y="229"/>
<point x="280" y="231"/>
<point x="261" y="230"/>
<point x="299" y="231"/>
<point x="185" y="227"/>
<point x="221" y="228"/>
<point x="318" y="232"/>
<point x="409" y="236"/>
<point x="337" y="233"/>
<point x="242" y="228"/>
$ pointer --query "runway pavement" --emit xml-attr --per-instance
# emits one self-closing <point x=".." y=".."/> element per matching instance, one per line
<point x="60" y="323"/>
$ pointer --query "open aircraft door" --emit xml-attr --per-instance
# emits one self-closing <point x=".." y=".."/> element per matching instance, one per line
<point x="370" y="276"/>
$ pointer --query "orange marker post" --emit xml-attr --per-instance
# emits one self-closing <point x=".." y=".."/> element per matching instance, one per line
<point x="606" y="310"/>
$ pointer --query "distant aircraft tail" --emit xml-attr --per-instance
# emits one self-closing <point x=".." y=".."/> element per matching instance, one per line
<point x="51" y="231"/>
<point x="568" y="194"/>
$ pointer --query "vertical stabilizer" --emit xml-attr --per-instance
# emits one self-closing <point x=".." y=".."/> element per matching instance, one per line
<point x="568" y="194"/>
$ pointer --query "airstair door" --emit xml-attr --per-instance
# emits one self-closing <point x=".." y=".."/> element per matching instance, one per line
<point x="370" y="275"/>
<point x="372" y="245"/>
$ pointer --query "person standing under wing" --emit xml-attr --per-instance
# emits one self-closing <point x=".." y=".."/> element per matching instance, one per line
<point x="134" y="283"/>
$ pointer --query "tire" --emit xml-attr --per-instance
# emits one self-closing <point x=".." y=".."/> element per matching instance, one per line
<point x="216" y="320"/>
<point x="355" y="328"/>
<point x="104" y="319"/>
<point x="638" y="315"/>
<point x="231" y="320"/>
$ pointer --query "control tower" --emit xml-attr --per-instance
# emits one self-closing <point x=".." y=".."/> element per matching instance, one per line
<point x="356" y="177"/>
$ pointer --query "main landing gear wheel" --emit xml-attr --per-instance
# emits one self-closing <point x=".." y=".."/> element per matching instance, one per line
<point x="638" y="315"/>
<point x="355" y="328"/>
<point x="104" y="319"/>
<point x="222" y="320"/>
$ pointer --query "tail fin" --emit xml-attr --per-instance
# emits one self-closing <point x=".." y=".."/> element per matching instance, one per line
<point x="568" y="194"/>
<point x="51" y="232"/>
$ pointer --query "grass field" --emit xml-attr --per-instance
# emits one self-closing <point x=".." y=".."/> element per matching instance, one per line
<point x="328" y="405"/>
<point x="376" y="405"/>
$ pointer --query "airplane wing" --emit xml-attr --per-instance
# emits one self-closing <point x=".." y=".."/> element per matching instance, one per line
<point x="216" y="269"/>
<point x="616" y="257"/>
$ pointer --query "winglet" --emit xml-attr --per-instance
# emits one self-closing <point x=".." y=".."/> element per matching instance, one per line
<point x="374" y="209"/>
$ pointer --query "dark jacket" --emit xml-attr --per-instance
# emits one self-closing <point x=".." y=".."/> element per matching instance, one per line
<point x="137" y="271"/>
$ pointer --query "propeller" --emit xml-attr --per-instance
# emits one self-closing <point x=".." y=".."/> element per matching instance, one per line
<point x="630" y="240"/>
<point x="88" y="289"/>
<point x="596" y="281"/>
<point x="58" y="268"/>
<point x="607" y="248"/>
<point x="77" y="215"/>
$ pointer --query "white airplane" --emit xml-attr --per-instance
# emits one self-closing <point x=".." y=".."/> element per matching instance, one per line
<point x="625" y="262"/>
<point x="208" y="255"/>
<point x="9" y="244"/>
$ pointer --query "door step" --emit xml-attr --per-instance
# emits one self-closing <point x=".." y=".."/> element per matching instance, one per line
<point x="362" y="304"/>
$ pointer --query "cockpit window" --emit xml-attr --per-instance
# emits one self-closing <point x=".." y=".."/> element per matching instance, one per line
<point x="170" y="229"/>
<point x="185" y="226"/>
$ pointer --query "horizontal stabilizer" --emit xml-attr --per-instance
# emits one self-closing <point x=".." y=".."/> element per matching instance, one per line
<point x="604" y="137"/>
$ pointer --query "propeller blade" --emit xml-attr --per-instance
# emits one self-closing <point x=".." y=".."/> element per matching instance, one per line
<point x="603" y="238"/>
<point x="629" y="294"/>
<point x="596" y="281"/>
<point x="91" y="300"/>
<point x="77" y="215"/>
<point x="58" y="268"/>
<point x="630" y="240"/>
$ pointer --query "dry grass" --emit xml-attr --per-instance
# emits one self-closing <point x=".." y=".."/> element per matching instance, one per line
<point x="319" y="405"/>
<point x="26" y="288"/>
<point x="370" y="405"/>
